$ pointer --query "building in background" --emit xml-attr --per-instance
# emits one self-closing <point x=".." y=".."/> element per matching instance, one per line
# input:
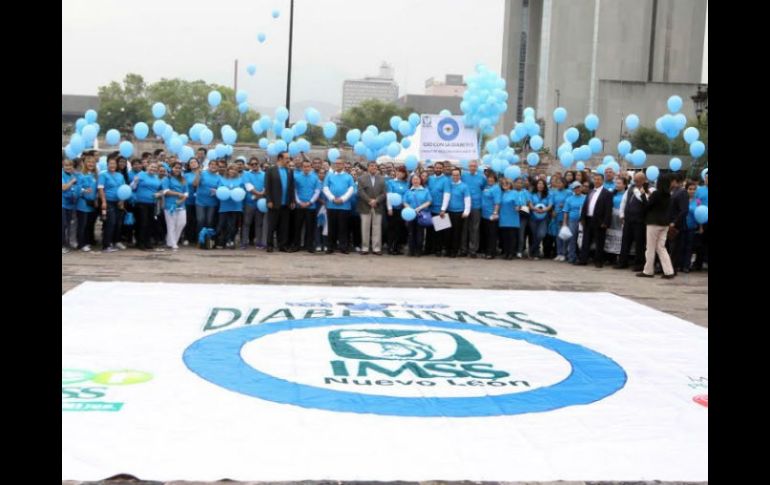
<point x="438" y="96"/>
<point x="74" y="106"/>
<point x="608" y="57"/>
<point x="453" y="85"/>
<point x="382" y="87"/>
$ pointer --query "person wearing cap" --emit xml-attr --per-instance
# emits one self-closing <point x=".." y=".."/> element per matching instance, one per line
<point x="570" y="215"/>
<point x="395" y="224"/>
<point x="475" y="181"/>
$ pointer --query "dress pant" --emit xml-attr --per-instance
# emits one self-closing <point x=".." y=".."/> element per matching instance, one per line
<point x="656" y="243"/>
<point x="593" y="232"/>
<point x="338" y="229"/>
<point x="145" y="220"/>
<point x="455" y="232"/>
<point x="304" y="218"/>
<point x="633" y="233"/>
<point x="489" y="228"/>
<point x="86" y="223"/>
<point x="253" y="220"/>
<point x="371" y="225"/>
<point x="415" y="237"/>
<point x="395" y="229"/>
<point x="66" y="219"/>
<point x="471" y="234"/>
<point x="112" y="225"/>
<point x="508" y="236"/>
<point x="191" y="225"/>
<point x="175" y="224"/>
<point x="278" y="221"/>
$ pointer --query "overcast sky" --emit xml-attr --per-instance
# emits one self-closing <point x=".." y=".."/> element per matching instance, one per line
<point x="334" y="40"/>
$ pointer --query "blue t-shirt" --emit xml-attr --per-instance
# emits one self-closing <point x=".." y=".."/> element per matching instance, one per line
<point x="557" y="198"/>
<point x="457" y="194"/>
<point x="617" y="199"/>
<point x="509" y="209"/>
<point x="147" y="187"/>
<point x="692" y="223"/>
<point x="537" y="199"/>
<point x="338" y="184"/>
<point x="438" y="186"/>
<point x="395" y="186"/>
<point x="69" y="197"/>
<point x="257" y="179"/>
<point x="702" y="193"/>
<point x="523" y="196"/>
<point x="85" y="201"/>
<point x="189" y="177"/>
<point x="110" y="183"/>
<point x="174" y="185"/>
<point x="283" y="172"/>
<point x="305" y="186"/>
<point x="230" y="205"/>
<point x="416" y="197"/>
<point x="490" y="197"/>
<point x="476" y="184"/>
<point x="573" y="205"/>
<point x="203" y="195"/>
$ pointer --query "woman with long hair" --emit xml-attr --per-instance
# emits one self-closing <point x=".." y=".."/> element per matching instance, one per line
<point x="86" y="206"/>
<point x="656" y="218"/>
<point x="175" y="192"/>
<point x="69" y="197"/>
<point x="558" y="195"/>
<point x="419" y="199"/>
<point x="229" y="209"/>
<point x="398" y="186"/>
<point x="510" y="222"/>
<point x="692" y="228"/>
<point x="540" y="204"/>
<point x="112" y="208"/>
<point x="190" y="232"/>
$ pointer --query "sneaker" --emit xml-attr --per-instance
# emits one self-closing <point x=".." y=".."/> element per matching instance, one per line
<point x="518" y="255"/>
<point x="111" y="249"/>
<point x="120" y="246"/>
<point x="64" y="250"/>
<point x="86" y="248"/>
<point x="535" y="258"/>
<point x="557" y="258"/>
<point x="318" y="249"/>
<point x="185" y="243"/>
<point x="175" y="248"/>
<point x="160" y="250"/>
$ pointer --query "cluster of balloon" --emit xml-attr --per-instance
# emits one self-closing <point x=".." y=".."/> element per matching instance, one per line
<point x="371" y="143"/>
<point x="484" y="101"/>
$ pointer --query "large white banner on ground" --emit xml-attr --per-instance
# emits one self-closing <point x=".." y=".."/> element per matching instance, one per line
<point x="447" y="138"/>
<point x="272" y="383"/>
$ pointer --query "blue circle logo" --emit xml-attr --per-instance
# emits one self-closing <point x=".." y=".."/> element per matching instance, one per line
<point x="420" y="349"/>
<point x="448" y="129"/>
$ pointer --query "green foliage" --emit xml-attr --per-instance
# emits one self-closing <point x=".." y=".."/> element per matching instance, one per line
<point x="372" y="112"/>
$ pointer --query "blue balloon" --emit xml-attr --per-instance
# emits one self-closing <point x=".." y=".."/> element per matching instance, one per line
<point x="566" y="159"/>
<point x="215" y="98"/>
<point x="126" y="149"/>
<point x="632" y="122"/>
<point x="373" y="129"/>
<point x="333" y="154"/>
<point x="408" y="214"/>
<point x="211" y="154"/>
<point x="528" y="112"/>
<point x="287" y="135"/>
<point x="168" y="132"/>
<point x="697" y="149"/>
<point x="293" y="149"/>
<point x="281" y="146"/>
<point x="262" y="205"/>
<point x="124" y="192"/>
<point x="281" y="114"/>
<point x="411" y="162"/>
<point x="312" y="116"/>
<point x="638" y="157"/>
<point x="512" y="172"/>
<point x="445" y="112"/>
<point x="571" y="135"/>
<point x="595" y="145"/>
<point x="624" y="147"/>
<point x="702" y="214"/>
<point x="265" y="123"/>
<point x="89" y="133"/>
<point x="237" y="194"/>
<point x="533" y="159"/>
<point x="251" y="69"/>
<point x="223" y="193"/>
<point x="330" y="129"/>
<point x="560" y="115"/>
<point x="580" y="166"/>
<point x="652" y="173"/>
<point x="591" y="122"/>
<point x="300" y="128"/>
<point x="158" y="110"/>
<point x="186" y="153"/>
<point x="243" y="107"/>
<point x="220" y="150"/>
<point x="241" y="96"/>
<point x="674" y="104"/>
<point x="91" y="116"/>
<point x="394" y="121"/>
<point x="263" y="143"/>
<point x="359" y="148"/>
<point x="353" y="136"/>
<point x="691" y="134"/>
<point x="158" y="127"/>
<point x="112" y="137"/>
<point x="406" y="143"/>
<point x="520" y="130"/>
<point x="304" y="145"/>
<point x="256" y="128"/>
<point x="585" y="152"/>
<point x="601" y="168"/>
<point x="536" y="142"/>
<point x="195" y="132"/>
<point x="77" y="143"/>
<point x="394" y="149"/>
<point x="261" y="37"/>
<point x="229" y="149"/>
<point x="675" y="164"/>
<point x="80" y="124"/>
<point x="414" y="119"/>
<point x="615" y="166"/>
<point x="229" y="136"/>
<point x="394" y="199"/>
<point x="276" y="13"/>
<point x="608" y="159"/>
<point x="704" y="173"/>
<point x="680" y="121"/>
<point x="206" y="136"/>
<point x="175" y="144"/>
<point x="499" y="165"/>
<point x="404" y="127"/>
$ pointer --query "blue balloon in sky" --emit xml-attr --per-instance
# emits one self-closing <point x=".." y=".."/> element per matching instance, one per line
<point x="112" y="137"/>
<point x="158" y="110"/>
<point x="261" y="37"/>
<point x="241" y="96"/>
<point x="126" y="149"/>
<point x="91" y="116"/>
<point x="414" y="119"/>
<point x="560" y="115"/>
<point x="215" y="98"/>
<point x="652" y="173"/>
<point x="592" y="122"/>
<point x="674" y="104"/>
<point x="251" y="69"/>
<point x="330" y="129"/>
<point x="632" y="122"/>
<point x="572" y="134"/>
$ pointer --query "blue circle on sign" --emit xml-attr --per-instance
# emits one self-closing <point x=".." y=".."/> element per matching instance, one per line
<point x="217" y="359"/>
<point x="448" y="129"/>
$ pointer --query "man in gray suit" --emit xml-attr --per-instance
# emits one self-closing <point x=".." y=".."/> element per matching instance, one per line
<point x="371" y="202"/>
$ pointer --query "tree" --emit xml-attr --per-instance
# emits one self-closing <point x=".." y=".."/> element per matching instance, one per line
<point x="653" y="142"/>
<point x="122" y="106"/>
<point x="585" y="135"/>
<point x="372" y="112"/>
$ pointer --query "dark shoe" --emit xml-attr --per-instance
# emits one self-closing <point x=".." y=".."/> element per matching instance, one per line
<point x="599" y="265"/>
<point x="637" y="269"/>
<point x="644" y="275"/>
<point x="364" y="253"/>
<point x="377" y="253"/>
<point x="345" y="251"/>
<point x="473" y="256"/>
<point x="685" y="270"/>
<point x="269" y="249"/>
<point x="292" y="250"/>
<point x="329" y="251"/>
<point x="581" y="263"/>
<point x="668" y="276"/>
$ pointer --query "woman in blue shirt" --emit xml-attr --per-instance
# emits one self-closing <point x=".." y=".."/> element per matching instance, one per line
<point x="419" y="199"/>
<point x="520" y="186"/>
<point x="69" y="197"/>
<point x="86" y="206"/>
<point x="540" y="204"/>
<point x="112" y="208"/>
<point x="175" y="192"/>
<point x="510" y="202"/>
<point x="191" y="225"/>
<point x="558" y="195"/>
<point x="491" y="197"/>
<point x="395" y="224"/>
<point x="205" y="184"/>
<point x="229" y="209"/>
<point x="571" y="218"/>
<point x="147" y="188"/>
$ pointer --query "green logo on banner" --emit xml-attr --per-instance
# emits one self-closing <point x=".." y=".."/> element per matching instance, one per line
<point x="413" y="345"/>
<point x="81" y="397"/>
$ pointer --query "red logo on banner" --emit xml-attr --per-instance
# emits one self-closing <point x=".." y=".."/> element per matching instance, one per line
<point x="702" y="399"/>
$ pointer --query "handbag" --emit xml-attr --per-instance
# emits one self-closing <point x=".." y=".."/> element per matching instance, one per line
<point x="425" y="218"/>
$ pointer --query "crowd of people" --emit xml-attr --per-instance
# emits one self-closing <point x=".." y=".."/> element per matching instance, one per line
<point x="157" y="203"/>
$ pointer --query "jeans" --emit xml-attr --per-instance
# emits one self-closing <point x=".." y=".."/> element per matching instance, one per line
<point x="470" y="239"/>
<point x="688" y="240"/>
<point x="523" y="224"/>
<point x="86" y="222"/>
<point x="66" y="219"/>
<point x="205" y="216"/>
<point x="539" y="230"/>
<point x="226" y="229"/>
<point x="191" y="225"/>
<point x="572" y="242"/>
<point x="252" y="216"/>
<point x="113" y="225"/>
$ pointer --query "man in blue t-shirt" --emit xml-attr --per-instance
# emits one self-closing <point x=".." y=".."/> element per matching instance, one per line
<point x="475" y="181"/>
<point x="338" y="188"/>
<point x="307" y="188"/>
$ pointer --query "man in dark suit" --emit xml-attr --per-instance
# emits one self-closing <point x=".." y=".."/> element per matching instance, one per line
<point x="680" y="205"/>
<point x="371" y="202"/>
<point x="632" y="211"/>
<point x="596" y="216"/>
<point x="279" y="192"/>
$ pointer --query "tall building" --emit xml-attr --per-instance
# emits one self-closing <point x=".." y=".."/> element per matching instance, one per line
<point x="611" y="58"/>
<point x="452" y="86"/>
<point x="381" y="87"/>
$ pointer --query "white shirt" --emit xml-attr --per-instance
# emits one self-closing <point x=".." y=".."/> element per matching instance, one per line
<point x="594" y="198"/>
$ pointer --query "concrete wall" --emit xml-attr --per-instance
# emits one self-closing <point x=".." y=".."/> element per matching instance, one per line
<point x="679" y="41"/>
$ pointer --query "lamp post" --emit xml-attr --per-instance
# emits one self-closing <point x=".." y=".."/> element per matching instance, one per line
<point x="288" y="76"/>
<point x="701" y="99"/>
<point x="556" y="141"/>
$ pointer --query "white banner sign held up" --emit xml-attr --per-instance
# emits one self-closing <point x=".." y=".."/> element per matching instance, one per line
<point x="447" y="138"/>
